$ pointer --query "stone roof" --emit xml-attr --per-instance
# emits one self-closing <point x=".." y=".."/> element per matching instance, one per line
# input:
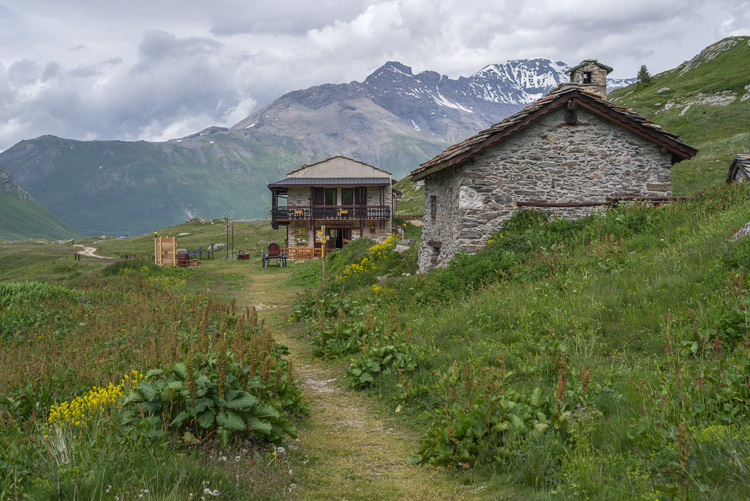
<point x="306" y="166"/>
<point x="741" y="164"/>
<point x="468" y="149"/>
<point x="585" y="62"/>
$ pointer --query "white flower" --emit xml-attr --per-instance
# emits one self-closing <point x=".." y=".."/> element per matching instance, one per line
<point x="280" y="450"/>
<point x="237" y="459"/>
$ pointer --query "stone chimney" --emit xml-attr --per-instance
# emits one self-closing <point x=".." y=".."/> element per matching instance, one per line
<point x="591" y="75"/>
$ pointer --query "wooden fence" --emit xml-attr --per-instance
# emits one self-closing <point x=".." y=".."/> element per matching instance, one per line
<point x="410" y="217"/>
<point x="301" y="253"/>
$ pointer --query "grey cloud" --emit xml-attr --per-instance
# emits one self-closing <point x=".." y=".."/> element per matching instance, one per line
<point x="23" y="73"/>
<point x="145" y="69"/>
<point x="281" y="16"/>
<point x="158" y="45"/>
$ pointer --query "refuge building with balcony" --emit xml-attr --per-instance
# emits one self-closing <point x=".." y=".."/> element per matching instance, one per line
<point x="350" y="198"/>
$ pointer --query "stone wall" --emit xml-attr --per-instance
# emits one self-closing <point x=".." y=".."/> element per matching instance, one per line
<point x="301" y="196"/>
<point x="549" y="161"/>
<point x="598" y="83"/>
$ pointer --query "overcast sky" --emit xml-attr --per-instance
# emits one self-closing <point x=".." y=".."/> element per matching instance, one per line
<point x="160" y="69"/>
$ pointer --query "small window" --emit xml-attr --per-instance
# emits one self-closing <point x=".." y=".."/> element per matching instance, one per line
<point x="330" y="196"/>
<point x="587" y="77"/>
<point x="433" y="207"/>
<point x="347" y="196"/>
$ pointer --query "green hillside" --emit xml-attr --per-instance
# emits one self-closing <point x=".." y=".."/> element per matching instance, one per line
<point x="707" y="102"/>
<point x="120" y="187"/>
<point x="604" y="358"/>
<point x="23" y="217"/>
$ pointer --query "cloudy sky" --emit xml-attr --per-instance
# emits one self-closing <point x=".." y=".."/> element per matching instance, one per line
<point x="159" y="69"/>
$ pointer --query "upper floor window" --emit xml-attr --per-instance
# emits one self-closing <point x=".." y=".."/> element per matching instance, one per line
<point x="347" y="196"/>
<point x="433" y="207"/>
<point x="330" y="196"/>
<point x="587" y="77"/>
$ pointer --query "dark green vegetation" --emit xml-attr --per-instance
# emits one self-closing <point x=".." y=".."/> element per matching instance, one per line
<point x="702" y="101"/>
<point x="23" y="217"/>
<point x="603" y="358"/>
<point x="119" y="187"/>
<point x="412" y="197"/>
<point x="116" y="380"/>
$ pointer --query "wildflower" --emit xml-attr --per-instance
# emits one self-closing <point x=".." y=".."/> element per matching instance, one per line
<point x="280" y="450"/>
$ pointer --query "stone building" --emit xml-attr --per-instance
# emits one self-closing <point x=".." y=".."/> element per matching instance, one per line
<point x="350" y="198"/>
<point x="739" y="171"/>
<point x="566" y="154"/>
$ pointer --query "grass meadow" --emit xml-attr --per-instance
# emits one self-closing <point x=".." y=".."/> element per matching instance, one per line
<point x="605" y="358"/>
<point x="123" y="380"/>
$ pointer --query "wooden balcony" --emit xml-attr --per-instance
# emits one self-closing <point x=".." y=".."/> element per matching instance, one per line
<point x="330" y="213"/>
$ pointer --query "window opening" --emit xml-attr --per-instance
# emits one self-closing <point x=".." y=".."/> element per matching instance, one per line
<point x="330" y="196"/>
<point x="347" y="196"/>
<point x="587" y="77"/>
<point x="433" y="207"/>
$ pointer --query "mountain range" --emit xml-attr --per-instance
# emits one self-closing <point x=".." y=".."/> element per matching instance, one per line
<point x="394" y="119"/>
<point x="24" y="217"/>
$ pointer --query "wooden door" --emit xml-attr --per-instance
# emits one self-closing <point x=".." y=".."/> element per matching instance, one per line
<point x="319" y="196"/>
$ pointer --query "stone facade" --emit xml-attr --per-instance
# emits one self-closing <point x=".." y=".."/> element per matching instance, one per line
<point x="301" y="197"/>
<point x="548" y="161"/>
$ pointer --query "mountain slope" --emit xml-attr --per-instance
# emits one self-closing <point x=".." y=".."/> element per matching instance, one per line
<point x="23" y="217"/>
<point x="707" y="102"/>
<point x="393" y="120"/>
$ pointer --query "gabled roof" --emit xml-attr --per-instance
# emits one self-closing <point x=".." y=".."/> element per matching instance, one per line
<point x="331" y="181"/>
<point x="306" y="166"/>
<point x="583" y="63"/>
<point x="741" y="164"/>
<point x="470" y="148"/>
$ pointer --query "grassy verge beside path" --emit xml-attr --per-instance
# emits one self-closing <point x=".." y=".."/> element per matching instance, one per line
<point x="351" y="447"/>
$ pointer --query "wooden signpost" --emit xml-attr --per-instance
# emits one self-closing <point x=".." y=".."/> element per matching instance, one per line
<point x="322" y="235"/>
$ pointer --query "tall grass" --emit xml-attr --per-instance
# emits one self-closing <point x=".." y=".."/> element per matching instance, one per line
<point x="583" y="358"/>
<point x="67" y="430"/>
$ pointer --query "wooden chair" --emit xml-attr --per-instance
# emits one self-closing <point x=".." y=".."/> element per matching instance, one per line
<point x="274" y="252"/>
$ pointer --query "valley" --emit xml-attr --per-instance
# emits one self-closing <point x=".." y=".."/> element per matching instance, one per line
<point x="606" y="357"/>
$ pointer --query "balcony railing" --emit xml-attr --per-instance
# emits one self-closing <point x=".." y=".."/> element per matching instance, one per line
<point x="331" y="212"/>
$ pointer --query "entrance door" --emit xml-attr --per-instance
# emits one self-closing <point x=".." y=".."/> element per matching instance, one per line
<point x="334" y="238"/>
